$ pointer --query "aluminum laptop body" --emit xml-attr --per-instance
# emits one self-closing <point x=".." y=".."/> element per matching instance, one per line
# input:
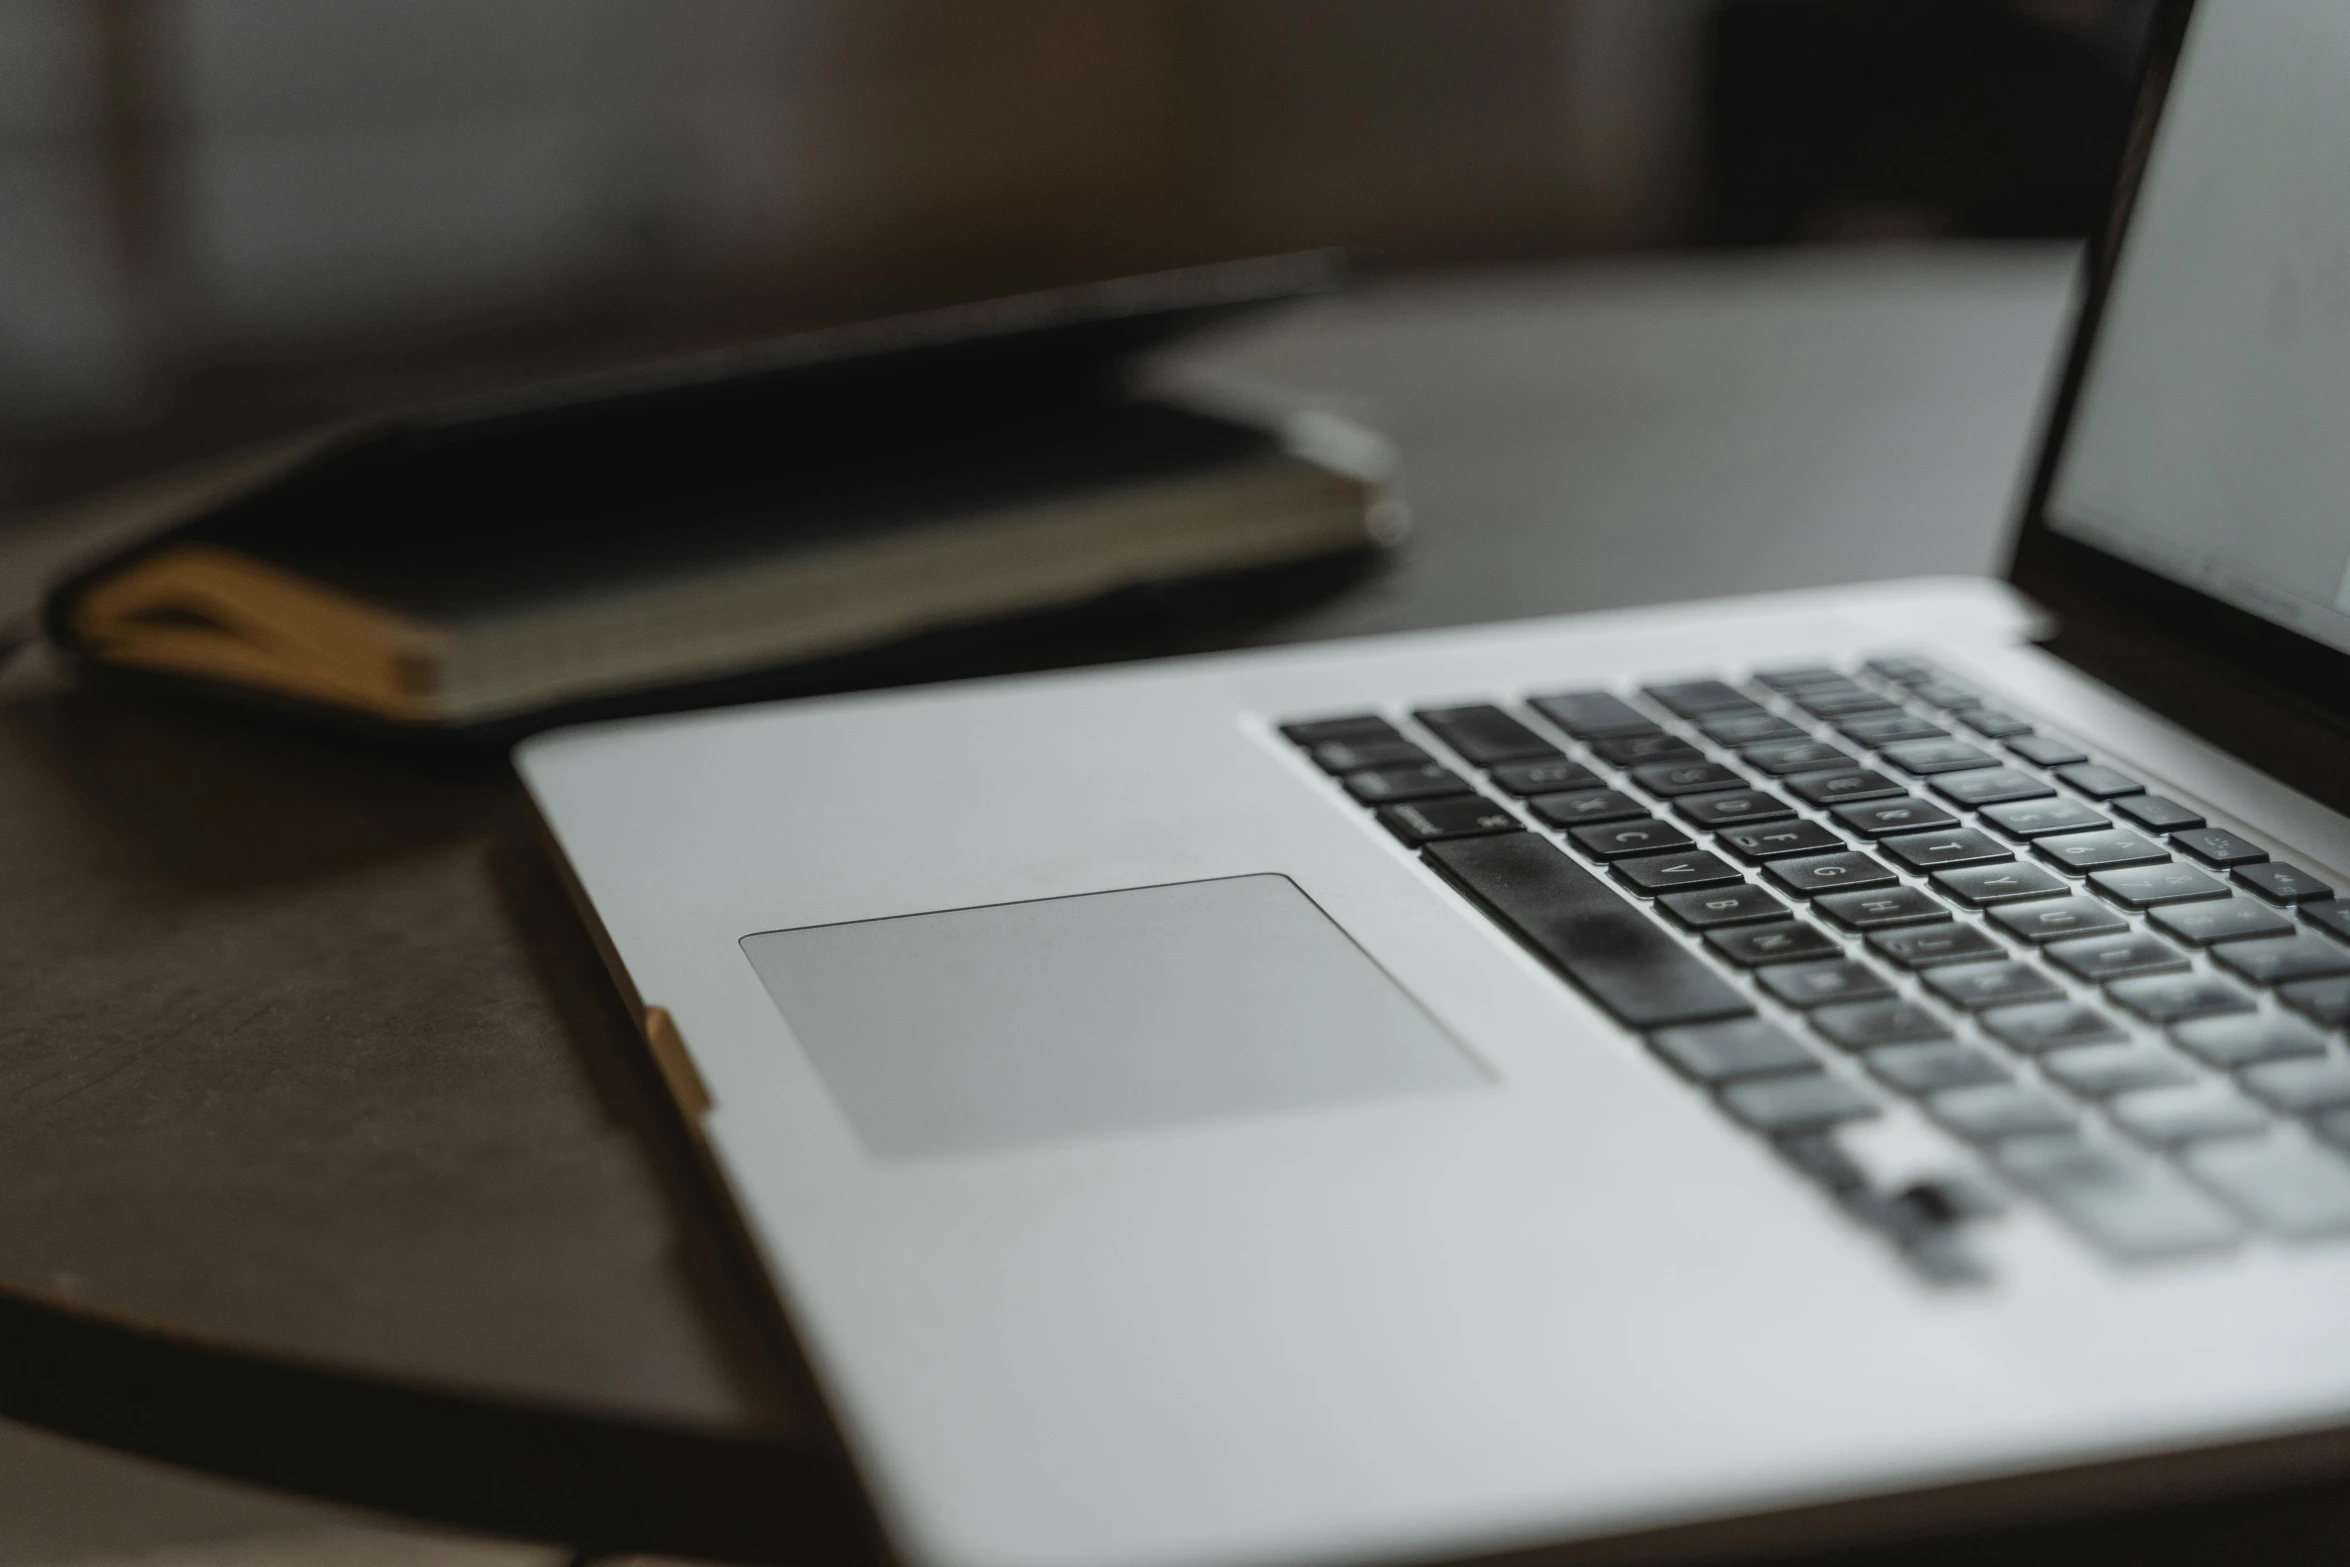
<point x="1181" y="1140"/>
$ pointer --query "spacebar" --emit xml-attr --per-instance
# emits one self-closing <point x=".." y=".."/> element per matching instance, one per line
<point x="1605" y="945"/>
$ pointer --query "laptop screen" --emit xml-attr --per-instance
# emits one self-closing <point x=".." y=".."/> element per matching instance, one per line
<point x="2210" y="442"/>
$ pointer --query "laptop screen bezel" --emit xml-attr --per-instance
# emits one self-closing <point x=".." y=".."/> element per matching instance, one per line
<point x="2134" y="627"/>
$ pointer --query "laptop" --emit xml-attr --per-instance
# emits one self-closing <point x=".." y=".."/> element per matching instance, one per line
<point x="1739" y="1074"/>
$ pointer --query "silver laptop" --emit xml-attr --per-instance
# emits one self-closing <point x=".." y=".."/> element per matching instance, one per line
<point x="1756" y="1071"/>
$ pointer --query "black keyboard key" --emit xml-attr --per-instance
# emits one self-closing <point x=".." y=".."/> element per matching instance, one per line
<point x="2329" y="914"/>
<point x="1731" y="807"/>
<point x="1989" y="786"/>
<point x="2324" y="1001"/>
<point x="1585" y="806"/>
<point x="1632" y="750"/>
<point x="2157" y="813"/>
<point x="1525" y="779"/>
<point x="1821" y="1158"/>
<point x="1927" y="851"/>
<point x="1925" y="757"/>
<point x="2132" y="1208"/>
<point x="1992" y="724"/>
<point x="1430" y="820"/>
<point x="2216" y="846"/>
<point x="1903" y="670"/>
<point x="2046" y="750"/>
<point x="1690" y="698"/>
<point x="1948" y="695"/>
<point x="1357" y="727"/>
<point x="2284" y="959"/>
<point x="1736" y="729"/>
<point x="1828" y="682"/>
<point x="2224" y="919"/>
<point x="1668" y="779"/>
<point x="2168" y="1117"/>
<point x="1975" y="986"/>
<point x="1611" y="949"/>
<point x="2116" y="957"/>
<point x="1874" y="729"/>
<point x="1829" y="702"/>
<point x="1742" y="904"/>
<point x="2083" y="852"/>
<point x="1872" y="1025"/>
<point x="2300" y="1087"/>
<point x="1661" y="873"/>
<point x="1341" y="757"/>
<point x="1713" y="1053"/>
<point x="1835" y="788"/>
<point x="1593" y="715"/>
<point x="2289" y="1189"/>
<point x="2244" y="1039"/>
<point x="1988" y="886"/>
<point x="2049" y="1025"/>
<point x="1883" y="908"/>
<point x="1880" y="818"/>
<point x="2044" y="818"/>
<point x="2173" y="998"/>
<point x="1931" y="1067"/>
<point x="1783" y="757"/>
<point x="2059" y="919"/>
<point x="1810" y="875"/>
<point x="1623" y="840"/>
<point x="1485" y="735"/>
<point x="1996" y="1112"/>
<point x="1796" y="1102"/>
<point x="1822" y="984"/>
<point x="1928" y="946"/>
<point x="2109" y="957"/>
<point x="2281" y="883"/>
<point x="2151" y="886"/>
<point x="2104" y="1071"/>
<point x="1753" y="946"/>
<point x="1794" y="677"/>
<point x="1397" y="785"/>
<point x="2099" y="783"/>
<point x="1779" y="840"/>
<point x="1941" y="1199"/>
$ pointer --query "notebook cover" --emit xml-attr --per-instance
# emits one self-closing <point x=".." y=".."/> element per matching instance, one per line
<point x="1146" y="620"/>
<point x="476" y="511"/>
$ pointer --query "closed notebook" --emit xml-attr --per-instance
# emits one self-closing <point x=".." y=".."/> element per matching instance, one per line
<point x="832" y="495"/>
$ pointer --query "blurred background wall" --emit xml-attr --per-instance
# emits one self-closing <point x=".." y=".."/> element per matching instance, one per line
<point x="222" y="218"/>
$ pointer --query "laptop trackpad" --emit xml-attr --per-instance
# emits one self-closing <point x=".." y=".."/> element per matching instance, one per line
<point x="1107" y="1012"/>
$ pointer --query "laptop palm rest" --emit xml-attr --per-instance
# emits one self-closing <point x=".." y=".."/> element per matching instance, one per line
<point x="993" y="1027"/>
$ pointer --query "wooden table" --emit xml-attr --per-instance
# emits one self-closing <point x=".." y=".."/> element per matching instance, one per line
<point x="328" y="1157"/>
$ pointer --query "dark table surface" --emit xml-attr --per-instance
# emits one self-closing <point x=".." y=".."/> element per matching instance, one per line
<point x="327" y="1156"/>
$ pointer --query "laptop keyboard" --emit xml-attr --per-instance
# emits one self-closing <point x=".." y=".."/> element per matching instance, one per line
<point x="1819" y="892"/>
